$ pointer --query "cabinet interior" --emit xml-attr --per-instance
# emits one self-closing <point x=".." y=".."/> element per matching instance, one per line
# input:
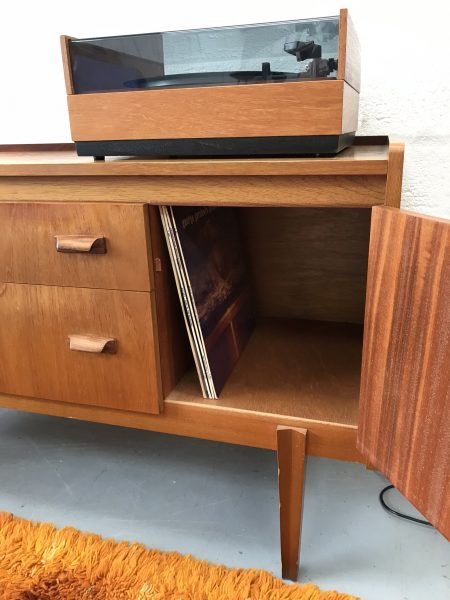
<point x="308" y="269"/>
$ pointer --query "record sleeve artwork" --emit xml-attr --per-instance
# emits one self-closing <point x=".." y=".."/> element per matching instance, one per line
<point x="208" y="259"/>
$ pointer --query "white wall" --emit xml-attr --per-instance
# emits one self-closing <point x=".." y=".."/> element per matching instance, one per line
<point x="405" y="68"/>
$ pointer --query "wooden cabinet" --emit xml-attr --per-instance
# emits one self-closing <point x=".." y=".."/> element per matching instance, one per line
<point x="350" y="358"/>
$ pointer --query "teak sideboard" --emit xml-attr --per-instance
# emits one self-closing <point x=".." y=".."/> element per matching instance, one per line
<point x="351" y="355"/>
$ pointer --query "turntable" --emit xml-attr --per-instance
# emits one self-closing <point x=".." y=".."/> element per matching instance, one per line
<point x="286" y="88"/>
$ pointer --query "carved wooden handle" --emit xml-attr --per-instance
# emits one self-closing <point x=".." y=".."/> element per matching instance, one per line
<point x="91" y="244"/>
<point x="93" y="343"/>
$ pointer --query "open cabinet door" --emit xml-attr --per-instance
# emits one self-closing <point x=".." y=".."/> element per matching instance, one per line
<point x="404" y="426"/>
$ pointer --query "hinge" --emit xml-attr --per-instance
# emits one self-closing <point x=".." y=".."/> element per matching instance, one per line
<point x="158" y="266"/>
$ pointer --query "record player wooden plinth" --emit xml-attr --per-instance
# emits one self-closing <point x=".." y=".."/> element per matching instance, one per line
<point x="286" y="118"/>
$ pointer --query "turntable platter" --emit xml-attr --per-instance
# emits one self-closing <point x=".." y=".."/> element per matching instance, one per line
<point x="209" y="78"/>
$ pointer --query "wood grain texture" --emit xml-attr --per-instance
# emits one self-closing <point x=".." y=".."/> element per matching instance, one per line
<point x="350" y="110"/>
<point x="92" y="343"/>
<point x="404" y="425"/>
<point x="342" y="42"/>
<point x="61" y="160"/>
<point x="349" y="53"/>
<point x="395" y="174"/>
<point x="36" y="361"/>
<point x="65" y="52"/>
<point x="124" y="266"/>
<point x="308" y="263"/>
<point x="232" y="111"/>
<point x="345" y="191"/>
<point x="219" y="424"/>
<point x="303" y="369"/>
<point x="352" y="57"/>
<point x="174" y="350"/>
<point x="89" y="244"/>
<point x="291" y="446"/>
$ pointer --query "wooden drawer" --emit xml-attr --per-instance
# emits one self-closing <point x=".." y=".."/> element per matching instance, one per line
<point x="118" y="259"/>
<point x="36" y="360"/>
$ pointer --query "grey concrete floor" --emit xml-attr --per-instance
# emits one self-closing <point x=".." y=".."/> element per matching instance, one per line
<point x="217" y="502"/>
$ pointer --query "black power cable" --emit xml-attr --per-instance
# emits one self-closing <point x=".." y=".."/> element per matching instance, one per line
<point x="399" y="514"/>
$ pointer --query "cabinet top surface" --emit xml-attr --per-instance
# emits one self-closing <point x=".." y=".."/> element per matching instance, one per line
<point x="368" y="156"/>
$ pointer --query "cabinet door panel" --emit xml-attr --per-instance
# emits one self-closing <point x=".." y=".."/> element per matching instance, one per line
<point x="404" y="427"/>
<point x="79" y="345"/>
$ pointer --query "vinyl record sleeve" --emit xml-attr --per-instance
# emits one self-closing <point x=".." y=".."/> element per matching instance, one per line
<point x="208" y="258"/>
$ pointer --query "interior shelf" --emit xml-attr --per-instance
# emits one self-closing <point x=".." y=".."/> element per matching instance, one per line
<point x="292" y="367"/>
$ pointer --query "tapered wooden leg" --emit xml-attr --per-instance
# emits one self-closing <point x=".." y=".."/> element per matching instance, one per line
<point x="291" y="444"/>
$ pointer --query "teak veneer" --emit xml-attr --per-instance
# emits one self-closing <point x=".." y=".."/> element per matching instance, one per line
<point x="368" y="156"/>
<point x="41" y="320"/>
<point x="99" y="335"/>
<point x="327" y="108"/>
<point x="409" y="285"/>
<point x="55" y="255"/>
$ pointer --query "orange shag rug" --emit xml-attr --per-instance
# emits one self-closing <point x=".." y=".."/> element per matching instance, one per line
<point x="40" y="562"/>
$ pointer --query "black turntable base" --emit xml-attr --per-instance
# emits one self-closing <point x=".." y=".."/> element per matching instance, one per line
<point x="309" y="145"/>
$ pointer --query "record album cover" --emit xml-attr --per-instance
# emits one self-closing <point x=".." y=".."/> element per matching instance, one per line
<point x="208" y="258"/>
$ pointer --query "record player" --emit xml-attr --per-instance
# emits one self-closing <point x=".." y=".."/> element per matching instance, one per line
<point x="286" y="88"/>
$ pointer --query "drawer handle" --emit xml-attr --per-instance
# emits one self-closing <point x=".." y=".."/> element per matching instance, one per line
<point x="93" y="343"/>
<point x="90" y="244"/>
